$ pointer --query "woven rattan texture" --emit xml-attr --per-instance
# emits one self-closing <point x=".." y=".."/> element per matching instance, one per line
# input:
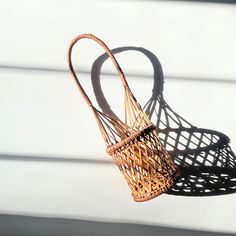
<point x="133" y="143"/>
<point x="145" y="164"/>
<point x="204" y="157"/>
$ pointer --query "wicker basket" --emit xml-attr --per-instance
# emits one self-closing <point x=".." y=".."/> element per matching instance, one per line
<point x="133" y="144"/>
<point x="204" y="157"/>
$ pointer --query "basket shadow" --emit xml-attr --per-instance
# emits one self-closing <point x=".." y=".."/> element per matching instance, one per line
<point x="204" y="157"/>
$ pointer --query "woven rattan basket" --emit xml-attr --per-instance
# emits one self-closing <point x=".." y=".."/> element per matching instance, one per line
<point x="133" y="144"/>
<point x="204" y="157"/>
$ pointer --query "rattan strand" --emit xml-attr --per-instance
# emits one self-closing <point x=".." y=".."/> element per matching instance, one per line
<point x="133" y="144"/>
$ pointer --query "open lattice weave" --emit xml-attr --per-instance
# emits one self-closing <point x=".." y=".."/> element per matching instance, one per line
<point x="204" y="156"/>
<point x="134" y="143"/>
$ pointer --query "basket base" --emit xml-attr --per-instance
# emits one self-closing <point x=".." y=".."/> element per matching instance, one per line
<point x="148" y="196"/>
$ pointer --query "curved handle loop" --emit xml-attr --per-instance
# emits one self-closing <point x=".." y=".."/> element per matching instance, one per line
<point x="108" y="51"/>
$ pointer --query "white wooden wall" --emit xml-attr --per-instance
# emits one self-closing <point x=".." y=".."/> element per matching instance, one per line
<point x="42" y="115"/>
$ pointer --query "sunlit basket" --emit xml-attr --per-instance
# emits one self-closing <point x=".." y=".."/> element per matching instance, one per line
<point x="133" y="144"/>
<point x="204" y="157"/>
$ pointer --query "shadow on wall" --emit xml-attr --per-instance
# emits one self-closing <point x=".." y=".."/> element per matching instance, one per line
<point x="12" y="225"/>
<point x="204" y="156"/>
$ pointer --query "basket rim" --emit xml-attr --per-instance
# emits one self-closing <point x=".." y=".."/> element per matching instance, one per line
<point x="112" y="148"/>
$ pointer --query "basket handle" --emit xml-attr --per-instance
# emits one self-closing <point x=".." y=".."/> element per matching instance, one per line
<point x="108" y="51"/>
